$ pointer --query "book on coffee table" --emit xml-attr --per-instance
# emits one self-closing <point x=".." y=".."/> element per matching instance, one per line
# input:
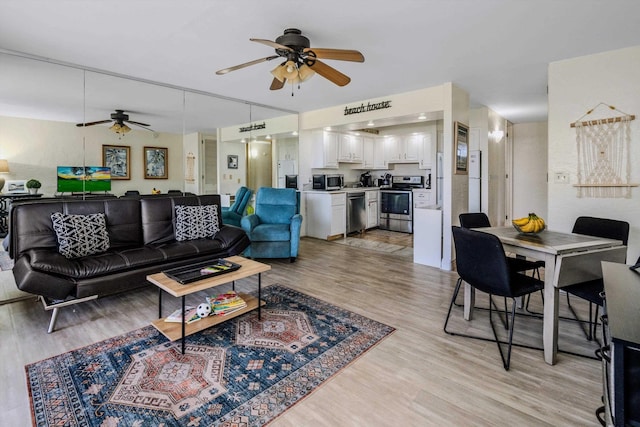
<point x="194" y="272"/>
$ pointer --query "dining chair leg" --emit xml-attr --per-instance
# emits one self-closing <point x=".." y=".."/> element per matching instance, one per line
<point x="453" y="299"/>
<point x="589" y="331"/>
<point x="506" y="361"/>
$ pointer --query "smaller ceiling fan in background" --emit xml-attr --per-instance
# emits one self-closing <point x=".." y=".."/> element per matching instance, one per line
<point x="301" y="60"/>
<point x="120" y="120"/>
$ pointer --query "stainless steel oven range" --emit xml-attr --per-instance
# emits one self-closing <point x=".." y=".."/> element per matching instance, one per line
<point x="396" y="204"/>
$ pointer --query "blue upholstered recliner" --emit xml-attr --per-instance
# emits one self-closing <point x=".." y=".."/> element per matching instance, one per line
<point x="274" y="228"/>
<point x="234" y="213"/>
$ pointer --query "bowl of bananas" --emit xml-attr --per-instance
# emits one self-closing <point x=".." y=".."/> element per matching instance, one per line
<point x="531" y="224"/>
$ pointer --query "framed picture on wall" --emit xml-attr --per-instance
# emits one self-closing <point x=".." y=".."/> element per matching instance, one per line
<point x="117" y="158"/>
<point x="461" y="135"/>
<point x="155" y="163"/>
<point x="232" y="161"/>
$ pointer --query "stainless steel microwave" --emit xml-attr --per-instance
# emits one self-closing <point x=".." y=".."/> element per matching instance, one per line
<point x="328" y="182"/>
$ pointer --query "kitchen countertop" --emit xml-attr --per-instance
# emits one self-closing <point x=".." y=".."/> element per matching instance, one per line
<point x="344" y="190"/>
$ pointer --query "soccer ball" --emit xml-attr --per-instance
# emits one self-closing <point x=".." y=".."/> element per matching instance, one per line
<point x="203" y="310"/>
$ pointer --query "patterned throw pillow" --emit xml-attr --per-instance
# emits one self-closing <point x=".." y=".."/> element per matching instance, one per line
<point x="80" y="235"/>
<point x="196" y="222"/>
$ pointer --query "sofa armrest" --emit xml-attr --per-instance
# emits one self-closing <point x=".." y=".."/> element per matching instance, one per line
<point x="296" y="224"/>
<point x="250" y="222"/>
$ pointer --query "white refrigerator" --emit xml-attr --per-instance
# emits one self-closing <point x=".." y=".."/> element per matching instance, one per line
<point x="475" y="181"/>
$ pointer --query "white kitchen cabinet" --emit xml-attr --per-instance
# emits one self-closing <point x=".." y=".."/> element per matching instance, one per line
<point x="412" y="148"/>
<point x="325" y="150"/>
<point x="326" y="214"/>
<point x="428" y="149"/>
<point x="373" y="153"/>
<point x="350" y="148"/>
<point x="372" y="200"/>
<point x="427" y="236"/>
<point x="392" y="149"/>
<point x="422" y="198"/>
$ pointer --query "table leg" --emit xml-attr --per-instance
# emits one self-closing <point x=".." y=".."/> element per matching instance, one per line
<point x="160" y="303"/>
<point x="183" y="323"/>
<point x="259" y="296"/>
<point x="550" y="319"/>
<point x="233" y="285"/>
<point x="469" y="301"/>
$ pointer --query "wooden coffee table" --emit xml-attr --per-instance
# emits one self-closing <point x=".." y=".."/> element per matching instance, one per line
<point x="176" y="330"/>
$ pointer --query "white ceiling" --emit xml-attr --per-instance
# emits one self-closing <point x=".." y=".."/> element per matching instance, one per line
<point x="496" y="50"/>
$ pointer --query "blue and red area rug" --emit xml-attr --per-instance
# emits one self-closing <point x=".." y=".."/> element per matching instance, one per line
<point x="243" y="372"/>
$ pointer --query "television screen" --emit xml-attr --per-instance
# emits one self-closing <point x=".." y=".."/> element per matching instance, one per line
<point x="83" y="179"/>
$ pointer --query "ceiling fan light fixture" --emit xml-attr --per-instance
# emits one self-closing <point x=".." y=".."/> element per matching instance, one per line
<point x="120" y="128"/>
<point x="279" y="72"/>
<point x="305" y="72"/>
<point x="290" y="70"/>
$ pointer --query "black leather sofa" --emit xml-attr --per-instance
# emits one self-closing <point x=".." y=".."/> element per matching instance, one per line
<point x="142" y="241"/>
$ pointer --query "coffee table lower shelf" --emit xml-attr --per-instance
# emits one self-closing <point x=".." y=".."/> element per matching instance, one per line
<point x="173" y="330"/>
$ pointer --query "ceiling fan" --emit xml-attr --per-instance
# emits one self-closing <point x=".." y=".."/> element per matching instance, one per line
<point x="300" y="60"/>
<point x="120" y="120"/>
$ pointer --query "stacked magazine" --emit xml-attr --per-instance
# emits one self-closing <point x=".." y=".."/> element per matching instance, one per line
<point x="226" y="303"/>
<point x="190" y="317"/>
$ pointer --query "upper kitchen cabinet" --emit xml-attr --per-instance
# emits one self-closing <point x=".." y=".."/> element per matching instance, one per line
<point x="373" y="153"/>
<point x="350" y="148"/>
<point x="414" y="148"/>
<point x="325" y="146"/>
<point x="403" y="149"/>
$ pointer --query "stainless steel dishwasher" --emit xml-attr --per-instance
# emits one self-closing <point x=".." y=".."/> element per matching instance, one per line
<point x="356" y="212"/>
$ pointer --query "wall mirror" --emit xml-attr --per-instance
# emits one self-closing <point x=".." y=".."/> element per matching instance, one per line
<point x="43" y="101"/>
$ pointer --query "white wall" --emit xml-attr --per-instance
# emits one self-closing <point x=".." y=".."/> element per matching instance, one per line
<point x="576" y="86"/>
<point x="35" y="147"/>
<point x="530" y="169"/>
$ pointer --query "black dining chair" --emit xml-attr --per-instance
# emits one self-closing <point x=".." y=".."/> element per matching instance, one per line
<point x="479" y="220"/>
<point x="482" y="263"/>
<point x="591" y="290"/>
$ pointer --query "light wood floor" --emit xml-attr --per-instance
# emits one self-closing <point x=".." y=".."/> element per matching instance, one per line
<point x="419" y="376"/>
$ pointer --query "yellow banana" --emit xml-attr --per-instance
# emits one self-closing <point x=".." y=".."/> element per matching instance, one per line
<point x="521" y="221"/>
<point x="529" y="227"/>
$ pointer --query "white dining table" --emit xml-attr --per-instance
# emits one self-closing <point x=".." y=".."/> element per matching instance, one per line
<point x="569" y="258"/>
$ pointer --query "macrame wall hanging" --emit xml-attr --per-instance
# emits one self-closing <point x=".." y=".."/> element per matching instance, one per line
<point x="604" y="162"/>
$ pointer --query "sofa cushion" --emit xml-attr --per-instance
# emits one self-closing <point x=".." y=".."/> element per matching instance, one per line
<point x="271" y="232"/>
<point x="80" y="235"/>
<point x="196" y="222"/>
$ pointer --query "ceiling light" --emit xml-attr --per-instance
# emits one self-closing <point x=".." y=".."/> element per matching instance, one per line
<point x="278" y="72"/>
<point x="294" y="133"/>
<point x="305" y="72"/>
<point x="371" y="123"/>
<point x="120" y="128"/>
<point x="422" y="116"/>
<point x="267" y="137"/>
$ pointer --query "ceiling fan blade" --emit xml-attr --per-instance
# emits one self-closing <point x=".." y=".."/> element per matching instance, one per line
<point x="136" y="123"/>
<point x="338" y="54"/>
<point x="328" y="72"/>
<point x="141" y="125"/>
<point x="277" y="84"/>
<point x="272" y="44"/>
<point x="99" y="122"/>
<point x="246" y="64"/>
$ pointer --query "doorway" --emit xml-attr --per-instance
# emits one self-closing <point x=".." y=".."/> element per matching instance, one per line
<point x="259" y="162"/>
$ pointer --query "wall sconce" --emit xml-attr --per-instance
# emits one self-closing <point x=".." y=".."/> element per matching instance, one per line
<point x="4" y="168"/>
<point x="496" y="135"/>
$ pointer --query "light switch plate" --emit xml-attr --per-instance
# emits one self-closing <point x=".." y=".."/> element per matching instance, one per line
<point x="561" y="178"/>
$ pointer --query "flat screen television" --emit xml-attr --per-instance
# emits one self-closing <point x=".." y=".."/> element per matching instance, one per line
<point x="83" y="179"/>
